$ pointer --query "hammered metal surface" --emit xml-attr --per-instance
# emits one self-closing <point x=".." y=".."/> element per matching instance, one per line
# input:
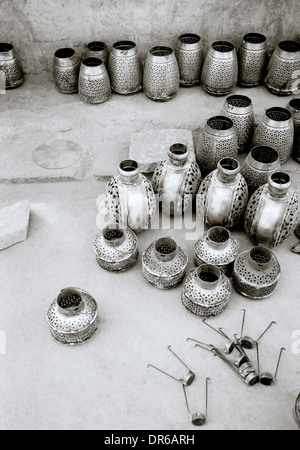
<point x="66" y="78"/>
<point x="94" y="89"/>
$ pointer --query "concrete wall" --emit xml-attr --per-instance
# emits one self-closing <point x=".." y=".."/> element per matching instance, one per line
<point x="38" y="28"/>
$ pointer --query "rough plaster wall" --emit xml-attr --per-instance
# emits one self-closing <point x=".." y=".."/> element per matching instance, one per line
<point x="38" y="28"/>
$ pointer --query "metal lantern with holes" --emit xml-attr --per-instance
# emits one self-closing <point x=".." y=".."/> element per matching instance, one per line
<point x="125" y="68"/>
<point x="66" y="70"/>
<point x="176" y="180"/>
<point x="272" y="211"/>
<point x="161" y="74"/>
<point x="217" y="247"/>
<point x="220" y="69"/>
<point x="276" y="129"/>
<point x="11" y="71"/>
<point x="206" y="291"/>
<point x="93" y="82"/>
<point x="73" y="316"/>
<point x="217" y="140"/>
<point x="116" y="249"/>
<point x="252" y="60"/>
<point x="294" y="107"/>
<point x="189" y="55"/>
<point x="240" y="110"/>
<point x="98" y="49"/>
<point x="283" y="75"/>
<point x="260" y="162"/>
<point x="164" y="263"/>
<point x="256" y="273"/>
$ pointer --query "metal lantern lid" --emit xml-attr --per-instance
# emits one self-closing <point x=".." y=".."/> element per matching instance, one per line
<point x="73" y="316"/>
<point x="206" y="291"/>
<point x="164" y="263"/>
<point x="116" y="249"/>
<point x="256" y="272"/>
<point x="217" y="247"/>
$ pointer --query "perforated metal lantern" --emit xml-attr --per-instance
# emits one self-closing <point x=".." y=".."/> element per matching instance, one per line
<point x="93" y="82"/>
<point x="125" y="68"/>
<point x="73" y="316"/>
<point x="240" y="110"/>
<point x="256" y="273"/>
<point x="161" y="74"/>
<point x="66" y="70"/>
<point x="294" y="107"/>
<point x="11" y="71"/>
<point x="217" y="247"/>
<point x="206" y="291"/>
<point x="272" y="211"/>
<point x="98" y="49"/>
<point x="217" y="140"/>
<point x="276" y="129"/>
<point x="252" y="60"/>
<point x="220" y="69"/>
<point x="258" y="165"/>
<point x="283" y="75"/>
<point x="164" y="263"/>
<point x="116" y="249"/>
<point x="189" y="55"/>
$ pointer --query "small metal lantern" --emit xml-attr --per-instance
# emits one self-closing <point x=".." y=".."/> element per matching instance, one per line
<point x="283" y="76"/>
<point x="218" y="139"/>
<point x="66" y="70"/>
<point x="256" y="273"/>
<point x="98" y="49"/>
<point x="125" y="68"/>
<point x="161" y="74"/>
<point x="220" y="69"/>
<point x="11" y="71"/>
<point x="116" y="249"/>
<point x="258" y="165"/>
<point x="217" y="247"/>
<point x="164" y="263"/>
<point x="252" y="60"/>
<point x="276" y="130"/>
<point x="93" y="83"/>
<point x="206" y="291"/>
<point x="189" y="55"/>
<point x="294" y="107"/>
<point x="240" y="110"/>
<point x="73" y="316"/>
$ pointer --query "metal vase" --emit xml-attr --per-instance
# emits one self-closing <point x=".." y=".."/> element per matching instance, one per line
<point x="129" y="198"/>
<point x="93" y="82"/>
<point x="294" y="107"/>
<point x="189" y="55"/>
<point x="66" y="70"/>
<point x="258" y="165"/>
<point x="206" y="291"/>
<point x="220" y="69"/>
<point x="256" y="273"/>
<point x="176" y="180"/>
<point x="11" y="71"/>
<point x="283" y="75"/>
<point x="223" y="195"/>
<point x="164" y="263"/>
<point x="217" y="247"/>
<point x="272" y="211"/>
<point x="252" y="60"/>
<point x="125" y="68"/>
<point x="98" y="49"/>
<point x="161" y="74"/>
<point x="218" y="138"/>
<point x="276" y="129"/>
<point x="240" y="110"/>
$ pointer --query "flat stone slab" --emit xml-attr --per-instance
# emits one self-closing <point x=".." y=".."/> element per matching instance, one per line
<point x="149" y="147"/>
<point x="14" y="223"/>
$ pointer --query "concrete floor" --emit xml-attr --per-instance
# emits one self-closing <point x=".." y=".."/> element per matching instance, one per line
<point x="105" y="383"/>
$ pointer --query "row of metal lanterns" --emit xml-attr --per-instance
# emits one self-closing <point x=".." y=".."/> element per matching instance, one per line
<point x="121" y="70"/>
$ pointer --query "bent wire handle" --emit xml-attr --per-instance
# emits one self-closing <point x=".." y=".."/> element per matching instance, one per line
<point x="169" y="348"/>
<point x="162" y="371"/>
<point x="297" y="410"/>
